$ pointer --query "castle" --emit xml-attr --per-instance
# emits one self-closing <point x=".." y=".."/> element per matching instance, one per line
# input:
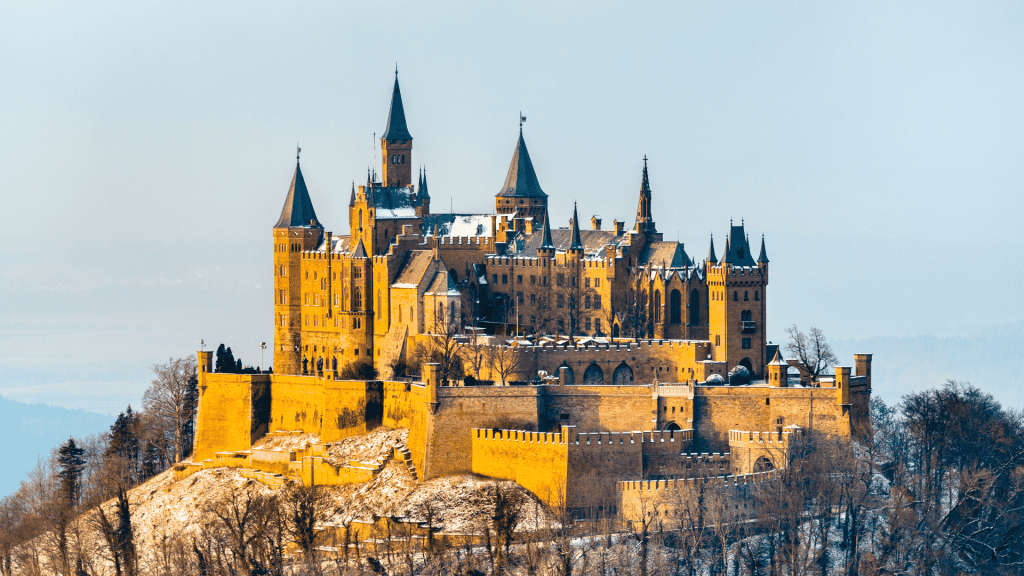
<point x="622" y="345"/>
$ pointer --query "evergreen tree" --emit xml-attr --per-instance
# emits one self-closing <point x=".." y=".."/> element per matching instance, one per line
<point x="124" y="443"/>
<point x="220" y="363"/>
<point x="71" y="460"/>
<point x="238" y="366"/>
<point x="151" y="461"/>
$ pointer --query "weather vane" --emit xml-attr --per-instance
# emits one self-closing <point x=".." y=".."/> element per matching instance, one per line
<point x="521" y="120"/>
<point x="298" y="151"/>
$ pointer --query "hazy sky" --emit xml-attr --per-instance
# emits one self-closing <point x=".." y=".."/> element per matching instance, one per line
<point x="147" y="148"/>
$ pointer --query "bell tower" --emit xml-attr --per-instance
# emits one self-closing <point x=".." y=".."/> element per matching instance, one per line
<point x="396" y="144"/>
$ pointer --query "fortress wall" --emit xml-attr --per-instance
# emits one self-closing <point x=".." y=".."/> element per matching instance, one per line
<point x="537" y="461"/>
<point x="597" y="408"/>
<point x="225" y="419"/>
<point x="718" y="409"/>
<point x="597" y="461"/>
<point x="411" y="409"/>
<point x="461" y="409"/>
<point x="352" y="407"/>
<point x="663" y="452"/>
<point x="675" y="405"/>
<point x="747" y="447"/>
<point x="670" y="499"/>
<point x="666" y="360"/>
<point x="297" y="403"/>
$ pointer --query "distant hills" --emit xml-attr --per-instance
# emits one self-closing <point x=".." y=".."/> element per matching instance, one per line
<point x="30" y="431"/>
<point x="991" y="359"/>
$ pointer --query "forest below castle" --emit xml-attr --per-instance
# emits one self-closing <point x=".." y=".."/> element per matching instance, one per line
<point x="938" y="488"/>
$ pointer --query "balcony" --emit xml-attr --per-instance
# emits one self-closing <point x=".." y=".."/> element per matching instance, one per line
<point x="748" y="326"/>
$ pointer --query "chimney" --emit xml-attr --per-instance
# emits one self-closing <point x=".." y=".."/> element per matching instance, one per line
<point x="618" y="227"/>
<point x="595" y="222"/>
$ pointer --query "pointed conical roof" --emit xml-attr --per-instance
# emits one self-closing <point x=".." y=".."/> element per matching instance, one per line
<point x="727" y="255"/>
<point x="360" y="251"/>
<point x="763" y="258"/>
<point x="352" y="198"/>
<point x="711" y="251"/>
<point x="546" y="243"/>
<point x="298" y="209"/>
<point x="396" y="130"/>
<point x="576" y="243"/>
<point x="424" y="195"/>
<point x="737" y="249"/>
<point x="522" y="179"/>
<point x="777" y="360"/>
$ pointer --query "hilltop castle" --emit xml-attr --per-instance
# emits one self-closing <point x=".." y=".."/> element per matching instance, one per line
<point x="613" y="331"/>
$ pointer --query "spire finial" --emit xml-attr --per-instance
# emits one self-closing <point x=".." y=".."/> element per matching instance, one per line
<point x="521" y="120"/>
<point x="297" y="152"/>
<point x="396" y="70"/>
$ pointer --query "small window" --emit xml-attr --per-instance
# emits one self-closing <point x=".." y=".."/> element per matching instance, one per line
<point x="597" y="324"/>
<point x="588" y="323"/>
<point x="586" y="282"/>
<point x="519" y="297"/>
<point x="586" y="301"/>
<point x="767" y="401"/>
<point x="504" y="278"/>
<point x="746" y="296"/>
<point x="746" y="343"/>
<point x="519" y="279"/>
<point x="597" y="282"/>
<point x="756" y="296"/>
<point x="494" y="278"/>
<point x="735" y="296"/>
<point x="533" y="280"/>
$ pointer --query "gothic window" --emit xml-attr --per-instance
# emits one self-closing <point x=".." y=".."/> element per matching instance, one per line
<point x="694" y="312"/>
<point x="593" y="375"/>
<point x="357" y="272"/>
<point x="676" y="307"/>
<point x="746" y="316"/>
<point x="357" y="298"/>
<point x="657" y="307"/>
<point x="623" y="375"/>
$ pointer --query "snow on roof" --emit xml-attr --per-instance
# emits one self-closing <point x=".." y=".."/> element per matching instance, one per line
<point x="458" y="225"/>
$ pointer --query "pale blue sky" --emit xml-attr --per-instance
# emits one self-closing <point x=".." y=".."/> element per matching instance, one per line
<point x="146" y="150"/>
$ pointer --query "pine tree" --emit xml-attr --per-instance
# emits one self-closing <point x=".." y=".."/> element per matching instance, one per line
<point x="124" y="443"/>
<point x="221" y="361"/>
<point x="71" y="460"/>
<point x="151" y="461"/>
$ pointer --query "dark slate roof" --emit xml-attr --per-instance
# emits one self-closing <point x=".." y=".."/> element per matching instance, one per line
<point x="442" y="283"/>
<point x="423" y="194"/>
<point x="521" y="180"/>
<point x="643" y="209"/>
<point x="396" y="130"/>
<point x="392" y="203"/>
<point x="545" y="240"/>
<point x="593" y="241"/>
<point x="738" y="249"/>
<point x="298" y="209"/>
<point x="711" y="252"/>
<point x="668" y="254"/>
<point x="457" y="225"/>
<point x="574" y="232"/>
<point x="763" y="258"/>
<point x="360" y="251"/>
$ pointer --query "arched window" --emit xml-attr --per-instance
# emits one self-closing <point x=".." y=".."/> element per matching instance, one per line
<point x="746" y="296"/>
<point x="593" y="375"/>
<point x="676" y="306"/>
<point x="746" y="316"/>
<point x="623" y="375"/>
<point x="735" y="296"/>
<point x="360" y="220"/>
<point x="694" y="311"/>
<point x="570" y="377"/>
<point x="657" y="307"/>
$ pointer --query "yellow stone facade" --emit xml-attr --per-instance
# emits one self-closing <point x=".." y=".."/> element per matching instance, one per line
<point x="628" y="335"/>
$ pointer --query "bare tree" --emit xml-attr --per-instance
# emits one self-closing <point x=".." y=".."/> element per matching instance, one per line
<point x="240" y="525"/>
<point x="568" y="300"/>
<point x="811" y="350"/>
<point x="170" y="403"/>
<point x="304" y="507"/>
<point x="446" y="346"/>
<point x="506" y="360"/>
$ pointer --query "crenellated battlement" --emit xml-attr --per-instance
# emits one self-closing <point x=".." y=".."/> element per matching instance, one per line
<point x="746" y="439"/>
<point x="679" y="484"/>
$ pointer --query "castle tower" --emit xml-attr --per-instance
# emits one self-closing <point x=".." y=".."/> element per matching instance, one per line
<point x="422" y="195"/>
<point x="521" y="194"/>
<point x="777" y="372"/>
<point x="737" y="304"/>
<point x="295" y="231"/>
<point x="396" y="144"/>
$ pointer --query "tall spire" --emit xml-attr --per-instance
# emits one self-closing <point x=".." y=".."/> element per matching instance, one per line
<point x="546" y="243"/>
<point x="711" y="251"/>
<point x="352" y="198"/>
<point x="763" y="258"/>
<point x="727" y="256"/>
<point x="576" y="243"/>
<point x="423" y="194"/>
<point x="521" y="180"/>
<point x="643" y="210"/>
<point x="396" y="130"/>
<point x="298" y="208"/>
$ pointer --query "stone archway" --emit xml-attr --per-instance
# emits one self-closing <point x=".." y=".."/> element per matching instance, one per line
<point x="671" y="427"/>
<point x="593" y="376"/>
<point x="623" y="375"/>
<point x="615" y="330"/>
<point x="746" y="363"/>
<point x="570" y="377"/>
<point x="763" y="464"/>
